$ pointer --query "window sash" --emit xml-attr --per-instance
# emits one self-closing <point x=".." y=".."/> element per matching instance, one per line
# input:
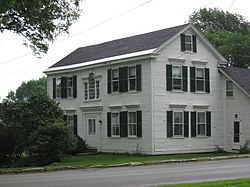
<point x="201" y="123"/>
<point x="229" y="88"/>
<point x="92" y="126"/>
<point x="178" y="123"/>
<point x="132" y="124"/>
<point x="115" y="80"/>
<point x="188" y="42"/>
<point x="92" y="91"/>
<point x="70" y="122"/>
<point x="177" y="77"/>
<point x="132" y="78"/>
<point x="58" y="87"/>
<point x="115" y="125"/>
<point x="200" y="79"/>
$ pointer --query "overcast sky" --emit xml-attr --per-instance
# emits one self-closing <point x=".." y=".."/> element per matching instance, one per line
<point x="101" y="21"/>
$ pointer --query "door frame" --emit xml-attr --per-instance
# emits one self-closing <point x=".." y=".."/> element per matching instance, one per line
<point x="236" y="144"/>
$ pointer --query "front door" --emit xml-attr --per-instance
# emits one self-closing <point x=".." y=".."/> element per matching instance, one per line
<point x="91" y="131"/>
<point x="236" y="135"/>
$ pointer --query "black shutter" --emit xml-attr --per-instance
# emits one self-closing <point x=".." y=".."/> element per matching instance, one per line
<point x="169" y="124"/>
<point x="207" y="80"/>
<point x="169" y="77"/>
<point x="139" y="124"/>
<point x="74" y="86"/>
<point x="123" y="79"/>
<point x="192" y="79"/>
<point x="109" y="124"/>
<point x="124" y="124"/>
<point x="186" y="119"/>
<point x="138" y="77"/>
<point x="63" y="87"/>
<point x="194" y="44"/>
<point x="54" y="88"/>
<point x="184" y="78"/>
<point x="183" y="42"/>
<point x="193" y="124"/>
<point x="75" y="124"/>
<point x="109" y="81"/>
<point x="208" y="123"/>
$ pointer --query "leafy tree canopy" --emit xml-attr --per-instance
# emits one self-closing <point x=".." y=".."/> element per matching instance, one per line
<point x="39" y="21"/>
<point x="228" y="32"/>
<point x="28" y="88"/>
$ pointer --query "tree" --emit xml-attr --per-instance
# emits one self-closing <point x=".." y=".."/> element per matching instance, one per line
<point x="39" y="21"/>
<point x="28" y="88"/>
<point x="228" y="32"/>
<point x="31" y="124"/>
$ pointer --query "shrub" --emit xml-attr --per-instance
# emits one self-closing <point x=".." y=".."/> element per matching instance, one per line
<point x="245" y="149"/>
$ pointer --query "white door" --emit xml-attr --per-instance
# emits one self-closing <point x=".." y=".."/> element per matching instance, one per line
<point x="236" y="135"/>
<point x="91" y="131"/>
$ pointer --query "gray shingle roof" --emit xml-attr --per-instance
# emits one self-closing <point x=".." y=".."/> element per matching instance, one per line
<point x="240" y="75"/>
<point x="122" y="46"/>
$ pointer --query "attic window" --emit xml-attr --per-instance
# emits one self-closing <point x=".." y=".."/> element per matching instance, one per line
<point x="188" y="43"/>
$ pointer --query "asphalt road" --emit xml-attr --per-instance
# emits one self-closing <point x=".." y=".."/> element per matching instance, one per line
<point x="134" y="176"/>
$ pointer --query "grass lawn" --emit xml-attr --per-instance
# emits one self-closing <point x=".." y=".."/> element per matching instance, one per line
<point x="107" y="159"/>
<point x="223" y="183"/>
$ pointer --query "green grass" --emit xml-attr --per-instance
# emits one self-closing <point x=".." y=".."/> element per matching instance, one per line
<point x="222" y="183"/>
<point x="108" y="159"/>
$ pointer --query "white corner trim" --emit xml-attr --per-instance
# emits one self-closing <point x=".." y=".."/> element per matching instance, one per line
<point x="200" y="106"/>
<point x="199" y="62"/>
<point x="173" y="59"/>
<point x="177" y="105"/>
<point x="132" y="105"/>
<point x="112" y="107"/>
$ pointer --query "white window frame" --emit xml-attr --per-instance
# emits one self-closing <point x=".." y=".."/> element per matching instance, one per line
<point x="70" y="87"/>
<point x="200" y="79"/>
<point x="70" y="122"/>
<point x="189" y="43"/>
<point x="133" y="124"/>
<point x="176" y="78"/>
<point x="229" y="92"/>
<point x="182" y="124"/>
<point x="115" y="125"/>
<point x="199" y="123"/>
<point x="131" y="78"/>
<point x="91" y="126"/>
<point x="58" y="87"/>
<point x="116" y="80"/>
<point x="87" y="90"/>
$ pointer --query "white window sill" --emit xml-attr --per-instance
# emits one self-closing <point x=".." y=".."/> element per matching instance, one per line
<point x="115" y="137"/>
<point x="200" y="92"/>
<point x="132" y="137"/>
<point x="92" y="100"/>
<point x="178" y="137"/>
<point x="201" y="136"/>
<point x="177" y="91"/>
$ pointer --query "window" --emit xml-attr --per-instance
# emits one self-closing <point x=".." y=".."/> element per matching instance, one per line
<point x="132" y="125"/>
<point x="92" y="90"/>
<point x="201" y="123"/>
<point x="65" y="87"/>
<point x="177" y="77"/>
<point x="71" y="121"/>
<point x="115" y="124"/>
<point x="58" y="87"/>
<point x="124" y="79"/>
<point x="91" y="126"/>
<point x="229" y="88"/>
<point x="188" y="43"/>
<point x="132" y="78"/>
<point x="124" y="124"/>
<point x="115" y="80"/>
<point x="69" y="86"/>
<point x="200" y="79"/>
<point x="178" y="123"/>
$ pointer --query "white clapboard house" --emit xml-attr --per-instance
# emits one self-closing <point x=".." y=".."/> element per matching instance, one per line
<point x="163" y="92"/>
